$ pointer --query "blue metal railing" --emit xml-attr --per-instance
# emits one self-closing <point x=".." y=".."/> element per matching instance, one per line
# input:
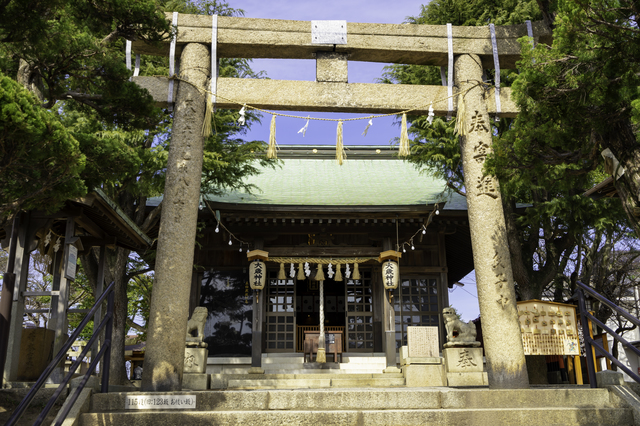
<point x="105" y="351"/>
<point x="591" y="344"/>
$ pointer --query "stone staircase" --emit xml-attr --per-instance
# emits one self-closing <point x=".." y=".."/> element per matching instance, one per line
<point x="289" y="371"/>
<point x="394" y="406"/>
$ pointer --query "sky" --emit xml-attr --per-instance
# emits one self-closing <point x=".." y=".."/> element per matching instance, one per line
<point x="464" y="299"/>
<point x="324" y="133"/>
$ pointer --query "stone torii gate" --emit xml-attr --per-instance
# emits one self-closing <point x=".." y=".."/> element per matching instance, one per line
<point x="406" y="44"/>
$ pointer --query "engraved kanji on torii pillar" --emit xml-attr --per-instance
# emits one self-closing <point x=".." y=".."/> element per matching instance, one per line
<point x="506" y="366"/>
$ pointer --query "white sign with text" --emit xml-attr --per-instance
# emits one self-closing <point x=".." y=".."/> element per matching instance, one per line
<point x="159" y="402"/>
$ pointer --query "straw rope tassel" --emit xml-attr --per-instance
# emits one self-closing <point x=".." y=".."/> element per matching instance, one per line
<point x="281" y="274"/>
<point x="404" y="138"/>
<point x="320" y="274"/>
<point x="301" y="272"/>
<point x="271" y="151"/>
<point x="356" y="272"/>
<point x="208" y="115"/>
<point x="338" y="273"/>
<point x="340" y="155"/>
<point x="460" y="122"/>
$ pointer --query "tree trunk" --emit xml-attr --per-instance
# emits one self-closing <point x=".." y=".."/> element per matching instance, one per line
<point x="118" y="267"/>
<point x="29" y="79"/>
<point x="621" y="140"/>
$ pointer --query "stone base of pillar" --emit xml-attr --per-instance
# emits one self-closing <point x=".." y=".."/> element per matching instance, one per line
<point x="392" y="370"/>
<point x="192" y="381"/>
<point x="321" y="356"/>
<point x="256" y="370"/>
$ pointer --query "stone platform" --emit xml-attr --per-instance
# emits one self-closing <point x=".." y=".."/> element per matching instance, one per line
<point x="565" y="406"/>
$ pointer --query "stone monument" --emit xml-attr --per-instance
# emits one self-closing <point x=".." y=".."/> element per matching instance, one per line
<point x="195" y="352"/>
<point x="420" y="360"/>
<point x="462" y="353"/>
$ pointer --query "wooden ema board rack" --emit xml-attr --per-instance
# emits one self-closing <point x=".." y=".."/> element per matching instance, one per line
<point x="548" y="328"/>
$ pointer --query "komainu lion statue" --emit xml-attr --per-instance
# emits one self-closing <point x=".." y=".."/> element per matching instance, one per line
<point x="196" y="323"/>
<point x="458" y="332"/>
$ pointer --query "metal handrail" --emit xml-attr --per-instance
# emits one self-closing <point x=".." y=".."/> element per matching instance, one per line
<point x="591" y="344"/>
<point x="107" y="324"/>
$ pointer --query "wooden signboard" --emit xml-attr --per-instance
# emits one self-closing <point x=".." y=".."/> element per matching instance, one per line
<point x="548" y="328"/>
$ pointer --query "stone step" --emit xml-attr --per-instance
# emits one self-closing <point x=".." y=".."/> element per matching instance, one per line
<point x="315" y="383"/>
<point x="279" y="384"/>
<point x="380" y="399"/>
<point x="325" y="371"/>
<point x="319" y="374"/>
<point x="442" y="417"/>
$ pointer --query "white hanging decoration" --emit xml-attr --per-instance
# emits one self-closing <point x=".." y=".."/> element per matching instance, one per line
<point x="292" y="271"/>
<point x="450" y="74"/>
<point x="330" y="271"/>
<point x="496" y="64"/>
<point x="172" y="56"/>
<point x="128" y="56"/>
<point x="304" y="128"/>
<point x="366" y="129"/>
<point x="56" y="246"/>
<point x="47" y="239"/>
<point x="431" y="114"/>
<point x="307" y="269"/>
<point x="347" y="271"/>
<point x="242" y="118"/>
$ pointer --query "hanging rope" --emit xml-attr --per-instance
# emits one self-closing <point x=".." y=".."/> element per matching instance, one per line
<point x="321" y="260"/>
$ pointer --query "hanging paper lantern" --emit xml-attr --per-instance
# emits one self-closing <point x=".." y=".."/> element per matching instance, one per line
<point x="257" y="275"/>
<point x="390" y="275"/>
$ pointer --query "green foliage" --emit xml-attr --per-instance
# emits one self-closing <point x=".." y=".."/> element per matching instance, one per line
<point x="577" y="97"/>
<point x="40" y="160"/>
<point x="531" y="155"/>
<point x="70" y="54"/>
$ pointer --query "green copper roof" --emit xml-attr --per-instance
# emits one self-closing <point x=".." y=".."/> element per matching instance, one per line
<point x="363" y="181"/>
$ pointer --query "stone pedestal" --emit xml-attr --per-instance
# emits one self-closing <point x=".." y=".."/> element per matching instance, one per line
<point x="430" y="372"/>
<point x="496" y="294"/>
<point x="464" y="366"/>
<point x="192" y="381"/>
<point x="421" y="371"/>
<point x="195" y="360"/>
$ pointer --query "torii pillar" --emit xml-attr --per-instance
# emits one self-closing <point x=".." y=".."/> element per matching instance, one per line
<point x="169" y="312"/>
<point x="506" y="365"/>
